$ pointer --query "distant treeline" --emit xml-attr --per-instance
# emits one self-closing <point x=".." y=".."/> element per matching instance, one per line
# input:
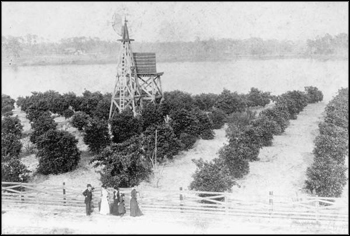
<point x="199" y="50"/>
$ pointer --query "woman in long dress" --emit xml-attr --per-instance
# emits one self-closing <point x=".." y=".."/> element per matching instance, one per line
<point x="104" y="201"/>
<point x="134" y="207"/>
<point x="116" y="199"/>
<point x="121" y="206"/>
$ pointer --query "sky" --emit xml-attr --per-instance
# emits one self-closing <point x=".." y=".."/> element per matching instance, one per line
<point x="176" y="21"/>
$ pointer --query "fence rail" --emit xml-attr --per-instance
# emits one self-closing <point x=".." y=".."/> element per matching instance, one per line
<point x="199" y="202"/>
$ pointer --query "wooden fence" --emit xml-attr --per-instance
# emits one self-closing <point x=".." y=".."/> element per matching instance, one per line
<point x="199" y="202"/>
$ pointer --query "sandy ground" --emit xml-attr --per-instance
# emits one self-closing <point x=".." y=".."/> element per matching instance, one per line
<point x="59" y="220"/>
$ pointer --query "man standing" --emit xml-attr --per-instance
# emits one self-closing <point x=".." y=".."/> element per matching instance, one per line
<point x="88" y="198"/>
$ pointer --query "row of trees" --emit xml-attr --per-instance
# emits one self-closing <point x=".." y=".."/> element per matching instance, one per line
<point x="328" y="44"/>
<point x="93" y="104"/>
<point x="326" y="177"/>
<point x="12" y="169"/>
<point x="178" y="51"/>
<point x="247" y="134"/>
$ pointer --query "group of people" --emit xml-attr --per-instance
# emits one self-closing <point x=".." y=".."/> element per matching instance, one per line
<point x="117" y="207"/>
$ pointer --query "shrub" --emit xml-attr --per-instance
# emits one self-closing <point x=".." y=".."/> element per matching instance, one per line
<point x="241" y="119"/>
<point x="333" y="131"/>
<point x="14" y="171"/>
<point x="176" y="100"/>
<point x="41" y="125"/>
<point x="326" y="177"/>
<point x="207" y="134"/>
<point x="313" y="94"/>
<point x="11" y="132"/>
<point x="279" y="115"/>
<point x="123" y="164"/>
<point x="151" y="115"/>
<point x="72" y="100"/>
<point x="236" y="159"/>
<point x="218" y="118"/>
<point x="266" y="129"/>
<point x="231" y="102"/>
<point x="300" y="98"/>
<point x="36" y="100"/>
<point x="187" y="140"/>
<point x="57" y="152"/>
<point x="33" y="113"/>
<point x="96" y="135"/>
<point x="11" y="125"/>
<point x="80" y="120"/>
<point x="205" y="101"/>
<point x="183" y="121"/>
<point x="257" y="98"/>
<point x="211" y="176"/>
<point x="103" y="106"/>
<point x="28" y="101"/>
<point x="90" y="101"/>
<point x="68" y="113"/>
<point x="10" y="146"/>
<point x="293" y="101"/>
<point x="124" y="125"/>
<point x="21" y="101"/>
<point x="330" y="147"/>
<point x="337" y="110"/>
<point x="247" y="138"/>
<point x="205" y="124"/>
<point x="168" y="145"/>
<point x="56" y="102"/>
<point x="7" y="105"/>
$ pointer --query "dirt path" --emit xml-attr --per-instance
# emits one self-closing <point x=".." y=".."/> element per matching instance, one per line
<point x="179" y="172"/>
<point x="282" y="167"/>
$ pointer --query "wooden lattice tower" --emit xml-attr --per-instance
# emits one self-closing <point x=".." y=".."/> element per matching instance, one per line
<point x="137" y="80"/>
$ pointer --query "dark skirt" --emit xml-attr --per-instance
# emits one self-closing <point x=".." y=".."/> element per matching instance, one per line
<point x="121" y="208"/>
<point x="134" y="208"/>
<point x="114" y="208"/>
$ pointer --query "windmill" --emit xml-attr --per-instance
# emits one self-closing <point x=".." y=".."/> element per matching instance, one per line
<point x="137" y="80"/>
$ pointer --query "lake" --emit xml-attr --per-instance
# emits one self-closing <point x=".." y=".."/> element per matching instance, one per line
<point x="276" y="76"/>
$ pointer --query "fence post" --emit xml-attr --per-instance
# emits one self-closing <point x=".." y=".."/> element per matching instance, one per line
<point x="317" y="209"/>
<point x="181" y="199"/>
<point x="64" y="194"/>
<point x="226" y="203"/>
<point x="22" y="196"/>
<point x="271" y="202"/>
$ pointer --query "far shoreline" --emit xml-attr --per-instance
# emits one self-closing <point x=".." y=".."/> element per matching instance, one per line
<point x="55" y="60"/>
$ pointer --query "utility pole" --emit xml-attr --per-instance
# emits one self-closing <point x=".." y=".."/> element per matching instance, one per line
<point x="155" y="149"/>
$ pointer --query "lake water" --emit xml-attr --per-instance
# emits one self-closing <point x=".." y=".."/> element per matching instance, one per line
<point x="276" y="76"/>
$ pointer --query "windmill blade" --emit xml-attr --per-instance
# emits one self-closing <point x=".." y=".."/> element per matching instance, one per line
<point x="117" y="23"/>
